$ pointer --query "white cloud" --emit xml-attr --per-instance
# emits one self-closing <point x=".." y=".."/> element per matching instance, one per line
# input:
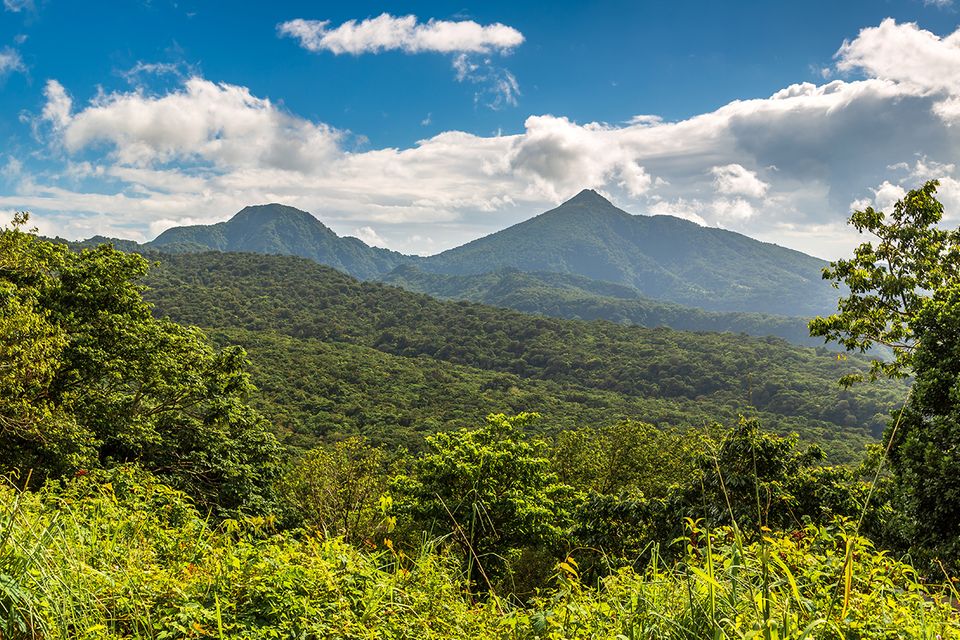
<point x="500" y="87"/>
<point x="57" y="108"/>
<point x="465" y="39"/>
<point x="18" y="5"/>
<point x="734" y="179"/>
<point x="203" y="121"/>
<point x="733" y="210"/>
<point x="784" y="168"/>
<point x="909" y="56"/>
<point x="10" y="61"/>
<point x="402" y="33"/>
<point x="940" y="4"/>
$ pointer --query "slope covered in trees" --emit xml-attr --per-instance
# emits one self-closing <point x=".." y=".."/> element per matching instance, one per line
<point x="564" y="295"/>
<point x="664" y="257"/>
<point x="588" y="365"/>
<point x="660" y="257"/>
<point x="283" y="230"/>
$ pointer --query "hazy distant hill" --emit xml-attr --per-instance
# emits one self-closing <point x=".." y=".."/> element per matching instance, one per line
<point x="571" y="296"/>
<point x="663" y="257"/>
<point x="282" y="230"/>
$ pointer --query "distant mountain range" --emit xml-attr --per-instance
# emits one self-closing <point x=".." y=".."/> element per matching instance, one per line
<point x="584" y="259"/>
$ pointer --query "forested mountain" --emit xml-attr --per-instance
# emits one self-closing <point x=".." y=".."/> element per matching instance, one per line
<point x="283" y="230"/>
<point x="330" y="351"/>
<point x="656" y="257"/>
<point x="564" y="295"/>
<point x="663" y="257"/>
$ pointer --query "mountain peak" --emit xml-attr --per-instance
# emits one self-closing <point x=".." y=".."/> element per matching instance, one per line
<point x="588" y="196"/>
<point x="271" y="210"/>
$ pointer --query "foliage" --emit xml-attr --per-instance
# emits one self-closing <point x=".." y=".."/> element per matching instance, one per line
<point x="625" y="456"/>
<point x="891" y="282"/>
<point x="118" y="555"/>
<point x="339" y="490"/>
<point x="905" y="293"/>
<point x="760" y="481"/>
<point x="923" y="450"/>
<point x="563" y="295"/>
<point x="491" y="488"/>
<point x="606" y="368"/>
<point x="89" y="377"/>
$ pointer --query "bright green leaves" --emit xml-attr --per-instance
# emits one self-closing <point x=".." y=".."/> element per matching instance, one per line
<point x="891" y="279"/>
<point x="492" y="489"/>
<point x="89" y="377"/>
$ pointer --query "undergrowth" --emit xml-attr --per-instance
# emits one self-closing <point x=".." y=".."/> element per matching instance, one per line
<point x="118" y="555"/>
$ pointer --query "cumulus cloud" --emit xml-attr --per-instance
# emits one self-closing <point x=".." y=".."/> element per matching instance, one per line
<point x="219" y="123"/>
<point x="403" y="33"/>
<point x="369" y="235"/>
<point x="470" y="43"/>
<point x="911" y="57"/>
<point x="785" y="168"/>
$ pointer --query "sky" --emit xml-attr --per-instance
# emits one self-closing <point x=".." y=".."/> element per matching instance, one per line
<point x="421" y="126"/>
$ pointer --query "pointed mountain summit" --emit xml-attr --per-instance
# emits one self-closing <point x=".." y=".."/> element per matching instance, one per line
<point x="280" y="229"/>
<point x="663" y="257"/>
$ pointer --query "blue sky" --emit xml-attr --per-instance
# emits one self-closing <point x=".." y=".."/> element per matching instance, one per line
<point x="125" y="118"/>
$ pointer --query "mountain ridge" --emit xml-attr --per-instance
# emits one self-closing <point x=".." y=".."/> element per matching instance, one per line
<point x="663" y="258"/>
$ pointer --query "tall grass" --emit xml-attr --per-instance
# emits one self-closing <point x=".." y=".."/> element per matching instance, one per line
<point x="121" y="556"/>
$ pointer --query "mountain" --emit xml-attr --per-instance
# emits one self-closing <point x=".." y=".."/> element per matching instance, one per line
<point x="333" y="355"/>
<point x="663" y="257"/>
<point x="660" y="258"/>
<point x="563" y="295"/>
<point x="283" y="230"/>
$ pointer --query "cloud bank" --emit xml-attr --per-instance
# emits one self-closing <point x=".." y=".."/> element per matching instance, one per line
<point x="785" y="168"/>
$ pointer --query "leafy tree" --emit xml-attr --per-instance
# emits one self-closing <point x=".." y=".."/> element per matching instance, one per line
<point x="340" y="489"/>
<point x="905" y="294"/>
<point x="89" y="377"/>
<point x="891" y="281"/>
<point x="492" y="489"/>
<point x="757" y="479"/>
<point x="626" y="456"/>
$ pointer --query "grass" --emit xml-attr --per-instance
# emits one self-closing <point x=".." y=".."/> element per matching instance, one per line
<point x="118" y="555"/>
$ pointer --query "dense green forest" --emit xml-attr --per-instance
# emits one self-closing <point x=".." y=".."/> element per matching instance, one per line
<point x="593" y="370"/>
<point x="568" y="296"/>
<point x="146" y="496"/>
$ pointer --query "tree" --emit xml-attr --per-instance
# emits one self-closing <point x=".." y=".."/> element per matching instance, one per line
<point x="625" y="456"/>
<point x="338" y="489"/>
<point x="492" y="489"/>
<point x="89" y="377"/>
<point x="905" y="294"/>
<point x="889" y="282"/>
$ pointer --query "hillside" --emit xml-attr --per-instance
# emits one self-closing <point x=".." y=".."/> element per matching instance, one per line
<point x="570" y="296"/>
<point x="566" y="369"/>
<point x="282" y="230"/>
<point x="657" y="257"/>
<point x="663" y="257"/>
